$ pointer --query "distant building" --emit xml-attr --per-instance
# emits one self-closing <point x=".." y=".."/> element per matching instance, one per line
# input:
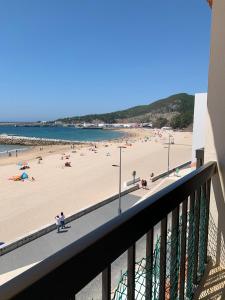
<point x="58" y="122"/>
<point x="147" y="125"/>
<point x="166" y="128"/>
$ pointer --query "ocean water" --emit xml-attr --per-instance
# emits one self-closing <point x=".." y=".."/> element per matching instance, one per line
<point x="11" y="148"/>
<point x="63" y="133"/>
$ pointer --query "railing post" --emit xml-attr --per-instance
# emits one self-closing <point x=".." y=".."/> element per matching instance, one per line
<point x="208" y="186"/>
<point x="199" y="153"/>
<point x="162" y="275"/>
<point x="183" y="249"/>
<point x="174" y="254"/>
<point x="196" y="235"/>
<point x="149" y="263"/>
<point x="190" y="263"/>
<point x="131" y="273"/>
<point x="202" y="231"/>
<point x="106" y="284"/>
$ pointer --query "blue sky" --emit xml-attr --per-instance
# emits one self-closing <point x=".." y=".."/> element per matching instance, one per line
<point x="71" y="57"/>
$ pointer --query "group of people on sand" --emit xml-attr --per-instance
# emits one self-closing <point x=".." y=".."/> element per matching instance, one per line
<point x="60" y="221"/>
<point x="24" y="176"/>
<point x="66" y="157"/>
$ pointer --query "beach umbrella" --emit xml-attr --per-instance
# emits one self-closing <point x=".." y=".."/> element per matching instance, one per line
<point x="22" y="163"/>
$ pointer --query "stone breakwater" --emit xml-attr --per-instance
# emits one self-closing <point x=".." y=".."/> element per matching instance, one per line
<point x="32" y="141"/>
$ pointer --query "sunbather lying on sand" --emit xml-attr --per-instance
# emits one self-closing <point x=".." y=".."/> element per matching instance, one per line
<point x="24" y="168"/>
<point x="39" y="157"/>
<point x="15" y="178"/>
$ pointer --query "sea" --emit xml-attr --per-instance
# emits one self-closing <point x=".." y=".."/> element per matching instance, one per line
<point x="61" y="133"/>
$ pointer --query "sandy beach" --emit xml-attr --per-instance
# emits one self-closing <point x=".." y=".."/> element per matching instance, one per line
<point x="28" y="205"/>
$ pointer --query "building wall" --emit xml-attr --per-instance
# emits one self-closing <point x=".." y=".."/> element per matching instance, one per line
<point x="215" y="130"/>
<point x="199" y="126"/>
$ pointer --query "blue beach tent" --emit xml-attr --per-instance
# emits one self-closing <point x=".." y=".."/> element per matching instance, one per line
<point x="24" y="176"/>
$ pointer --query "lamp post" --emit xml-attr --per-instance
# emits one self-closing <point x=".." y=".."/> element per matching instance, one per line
<point x="120" y="172"/>
<point x="168" y="156"/>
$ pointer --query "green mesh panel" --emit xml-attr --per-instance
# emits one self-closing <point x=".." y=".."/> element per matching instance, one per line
<point x="173" y="243"/>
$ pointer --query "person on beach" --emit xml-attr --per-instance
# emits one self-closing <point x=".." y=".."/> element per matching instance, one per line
<point x="58" y="223"/>
<point x="62" y="220"/>
<point x="144" y="183"/>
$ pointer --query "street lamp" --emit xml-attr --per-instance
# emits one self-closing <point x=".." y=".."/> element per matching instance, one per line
<point x="168" y="156"/>
<point x="120" y="171"/>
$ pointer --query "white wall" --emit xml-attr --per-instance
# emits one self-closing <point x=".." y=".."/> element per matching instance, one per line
<point x="199" y="126"/>
<point x="215" y="132"/>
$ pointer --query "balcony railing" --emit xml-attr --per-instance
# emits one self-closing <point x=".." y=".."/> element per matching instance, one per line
<point x="173" y="264"/>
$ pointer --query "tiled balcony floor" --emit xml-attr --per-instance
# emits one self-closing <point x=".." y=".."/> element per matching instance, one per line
<point x="213" y="284"/>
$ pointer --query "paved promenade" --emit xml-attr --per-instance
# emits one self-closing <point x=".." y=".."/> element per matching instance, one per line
<point x="29" y="254"/>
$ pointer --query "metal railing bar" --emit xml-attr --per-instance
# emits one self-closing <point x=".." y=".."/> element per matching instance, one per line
<point x="106" y="283"/>
<point x="183" y="249"/>
<point x="131" y="273"/>
<point x="162" y="275"/>
<point x="149" y="263"/>
<point x="174" y="254"/>
<point x="196" y="235"/>
<point x="207" y="199"/>
<point x="190" y="254"/>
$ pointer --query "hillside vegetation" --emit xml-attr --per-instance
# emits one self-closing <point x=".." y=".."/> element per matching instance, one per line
<point x="176" y="111"/>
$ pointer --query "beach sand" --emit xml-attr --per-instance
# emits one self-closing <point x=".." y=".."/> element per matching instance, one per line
<point x="27" y="206"/>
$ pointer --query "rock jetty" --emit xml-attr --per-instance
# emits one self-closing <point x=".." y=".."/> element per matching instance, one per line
<point x="32" y="141"/>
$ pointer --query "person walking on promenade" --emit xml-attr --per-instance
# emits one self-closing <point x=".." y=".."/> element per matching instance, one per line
<point x="62" y="220"/>
<point x="58" y="223"/>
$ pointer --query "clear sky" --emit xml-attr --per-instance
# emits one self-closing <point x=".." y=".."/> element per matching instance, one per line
<point x="71" y="57"/>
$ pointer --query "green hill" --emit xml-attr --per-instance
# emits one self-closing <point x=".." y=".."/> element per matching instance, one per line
<point x="176" y="111"/>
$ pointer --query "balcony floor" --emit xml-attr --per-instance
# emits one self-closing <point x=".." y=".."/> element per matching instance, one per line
<point x="212" y="286"/>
